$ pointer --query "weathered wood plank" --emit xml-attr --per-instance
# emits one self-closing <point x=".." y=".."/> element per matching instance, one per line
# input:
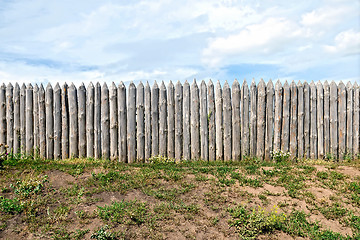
<point x="212" y="127"/>
<point x="17" y="119"/>
<point x="278" y="116"/>
<point x="140" y="118"/>
<point x="342" y="120"/>
<point x="131" y="124"/>
<point x="320" y="120"/>
<point x="178" y="121"/>
<point x="253" y="118"/>
<point x="186" y="122"/>
<point x="113" y="122"/>
<point x="227" y="111"/>
<point x="313" y="125"/>
<point x="171" y="121"/>
<point x="97" y="121"/>
<point x="195" y="119"/>
<point x="105" y="122"/>
<point x="22" y="118"/>
<point x="29" y="120"/>
<point x="148" y="122"/>
<point x="163" y="120"/>
<point x="236" y="121"/>
<point x="204" y="131"/>
<point x="333" y="120"/>
<point x="90" y="114"/>
<point x="293" y="119"/>
<point x="65" y="122"/>
<point x="269" y="132"/>
<point x="300" y="120"/>
<point x="57" y="121"/>
<point x="42" y="122"/>
<point x="82" y="120"/>
<point x="155" y="120"/>
<point x="122" y="119"/>
<point x="73" y="120"/>
<point x="261" y="114"/>
<point x="349" y="119"/>
<point x="326" y="118"/>
<point x="36" y="119"/>
<point x="244" y="107"/>
<point x="3" y="116"/>
<point x="285" y="126"/>
<point x="10" y="117"/>
<point x="356" y="120"/>
<point x="219" y="122"/>
<point x="306" y="120"/>
<point x="49" y="105"/>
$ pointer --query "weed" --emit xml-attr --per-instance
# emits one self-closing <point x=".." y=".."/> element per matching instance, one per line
<point x="80" y="234"/>
<point x="280" y="156"/>
<point x="10" y="205"/>
<point x="30" y="186"/>
<point x="102" y="234"/>
<point x="322" y="175"/>
<point x="333" y="211"/>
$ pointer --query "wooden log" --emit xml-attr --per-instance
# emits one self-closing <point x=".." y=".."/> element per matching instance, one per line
<point x="36" y="119"/>
<point x="171" y="120"/>
<point x="105" y="122"/>
<point x="73" y="120"/>
<point x="195" y="119"/>
<point x="178" y="121"/>
<point x="140" y="128"/>
<point x="278" y="116"/>
<point x="90" y="140"/>
<point x="57" y="121"/>
<point x="3" y="117"/>
<point x="285" y="126"/>
<point x="10" y="117"/>
<point x="244" y="107"/>
<point x="269" y="131"/>
<point x="22" y="118"/>
<point x="293" y="119"/>
<point x="122" y="119"/>
<point x="204" y="131"/>
<point x="300" y="120"/>
<point x="65" y="151"/>
<point x="356" y="122"/>
<point x="326" y="118"/>
<point x="42" y="122"/>
<point x="349" y="120"/>
<point x="155" y="120"/>
<point x="131" y="124"/>
<point x="97" y="121"/>
<point x="82" y="120"/>
<point x="313" y="124"/>
<point x="306" y="120"/>
<point x="186" y="122"/>
<point x="320" y="120"/>
<point x="253" y="118"/>
<point x="148" y="122"/>
<point x="342" y="120"/>
<point x="219" y="122"/>
<point x="163" y="120"/>
<point x="261" y="119"/>
<point x="113" y="122"/>
<point x="49" y="105"/>
<point x="236" y="121"/>
<point x="17" y="119"/>
<point x="212" y="126"/>
<point x="227" y="111"/>
<point x="333" y="120"/>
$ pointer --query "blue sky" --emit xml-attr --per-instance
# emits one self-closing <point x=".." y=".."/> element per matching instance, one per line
<point x="82" y="41"/>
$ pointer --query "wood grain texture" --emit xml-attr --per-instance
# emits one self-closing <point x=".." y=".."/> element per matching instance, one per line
<point x="333" y="120"/>
<point x="261" y="113"/>
<point x="171" y="121"/>
<point x="349" y="119"/>
<point x="313" y="123"/>
<point x="140" y="121"/>
<point x="227" y="122"/>
<point x="105" y="122"/>
<point x="22" y="118"/>
<point x="122" y="119"/>
<point x="342" y="120"/>
<point x="73" y="120"/>
<point x="3" y="117"/>
<point x="90" y="114"/>
<point x="16" y="132"/>
<point x="82" y="120"/>
<point x="131" y="124"/>
<point x="65" y="151"/>
<point x="204" y="131"/>
<point x="356" y="118"/>
<point x="306" y="120"/>
<point x="57" y="122"/>
<point x="178" y="121"/>
<point x="42" y="122"/>
<point x="148" y="122"/>
<point x="320" y="120"/>
<point x="163" y="132"/>
<point x="285" y="126"/>
<point x="155" y="120"/>
<point x="253" y="118"/>
<point x="212" y="126"/>
<point x="244" y="107"/>
<point x="293" y="120"/>
<point x="219" y="122"/>
<point x="278" y="116"/>
<point x="300" y="121"/>
<point x="114" y="131"/>
<point x="97" y="121"/>
<point x="186" y="122"/>
<point x="195" y="120"/>
<point x="10" y="117"/>
<point x="49" y="105"/>
<point x="326" y="118"/>
<point x="236" y="121"/>
<point x="269" y="131"/>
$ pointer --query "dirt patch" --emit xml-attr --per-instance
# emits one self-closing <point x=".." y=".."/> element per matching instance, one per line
<point x="350" y="171"/>
<point x="59" y="179"/>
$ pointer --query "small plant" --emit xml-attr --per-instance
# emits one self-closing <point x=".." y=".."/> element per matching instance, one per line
<point x="10" y="205"/>
<point x="160" y="159"/>
<point x="3" y="155"/>
<point x="280" y="156"/>
<point x="102" y="234"/>
<point x="30" y="186"/>
<point x="329" y="157"/>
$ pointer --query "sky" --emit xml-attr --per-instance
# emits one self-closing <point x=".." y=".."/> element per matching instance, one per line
<point x="86" y="41"/>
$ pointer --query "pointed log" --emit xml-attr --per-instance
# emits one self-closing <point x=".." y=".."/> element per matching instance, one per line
<point x="236" y="121"/>
<point x="349" y="120"/>
<point x="49" y="105"/>
<point x="22" y="118"/>
<point x="36" y="119"/>
<point x="65" y="122"/>
<point x="113" y="121"/>
<point x="227" y="111"/>
<point x="300" y="120"/>
<point x="73" y="119"/>
<point x="148" y="122"/>
<point x="333" y="120"/>
<point x="212" y="126"/>
<point x="97" y="121"/>
<point x="42" y="122"/>
<point x="57" y="121"/>
<point x="204" y="131"/>
<point x="171" y="121"/>
<point x="17" y="119"/>
<point x="140" y="118"/>
<point x="155" y="120"/>
<point x="122" y="119"/>
<point x="195" y="119"/>
<point x="253" y="118"/>
<point x="186" y="122"/>
<point x="306" y="120"/>
<point x="320" y="120"/>
<point x="131" y="124"/>
<point x="269" y="134"/>
<point x="82" y="120"/>
<point x="105" y="122"/>
<point x="178" y="121"/>
<point x="293" y="120"/>
<point x="313" y="123"/>
<point x="261" y="111"/>
<point x="285" y="126"/>
<point x="278" y="116"/>
<point x="326" y="118"/>
<point x="10" y="117"/>
<point x="163" y="120"/>
<point x="356" y="126"/>
<point x="245" y="135"/>
<point x="342" y="120"/>
<point x="90" y="111"/>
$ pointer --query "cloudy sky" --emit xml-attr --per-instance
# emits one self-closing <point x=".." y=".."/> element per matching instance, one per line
<point x="92" y="40"/>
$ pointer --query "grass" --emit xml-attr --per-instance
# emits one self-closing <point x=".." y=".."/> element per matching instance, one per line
<point x="163" y="199"/>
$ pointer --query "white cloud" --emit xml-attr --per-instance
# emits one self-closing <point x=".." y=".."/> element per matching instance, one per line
<point x="327" y="16"/>
<point x="346" y="43"/>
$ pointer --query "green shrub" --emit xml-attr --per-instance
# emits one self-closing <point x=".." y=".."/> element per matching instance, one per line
<point x="10" y="205"/>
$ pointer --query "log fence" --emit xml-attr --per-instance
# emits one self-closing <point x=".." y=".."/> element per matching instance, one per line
<point x="182" y="122"/>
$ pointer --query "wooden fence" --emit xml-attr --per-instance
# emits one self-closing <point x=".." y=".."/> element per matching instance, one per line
<point x="182" y="122"/>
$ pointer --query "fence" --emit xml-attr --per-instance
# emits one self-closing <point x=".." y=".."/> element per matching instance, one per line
<point x="182" y="121"/>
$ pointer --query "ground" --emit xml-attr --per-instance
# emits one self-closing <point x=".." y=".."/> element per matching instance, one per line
<point x="251" y="199"/>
